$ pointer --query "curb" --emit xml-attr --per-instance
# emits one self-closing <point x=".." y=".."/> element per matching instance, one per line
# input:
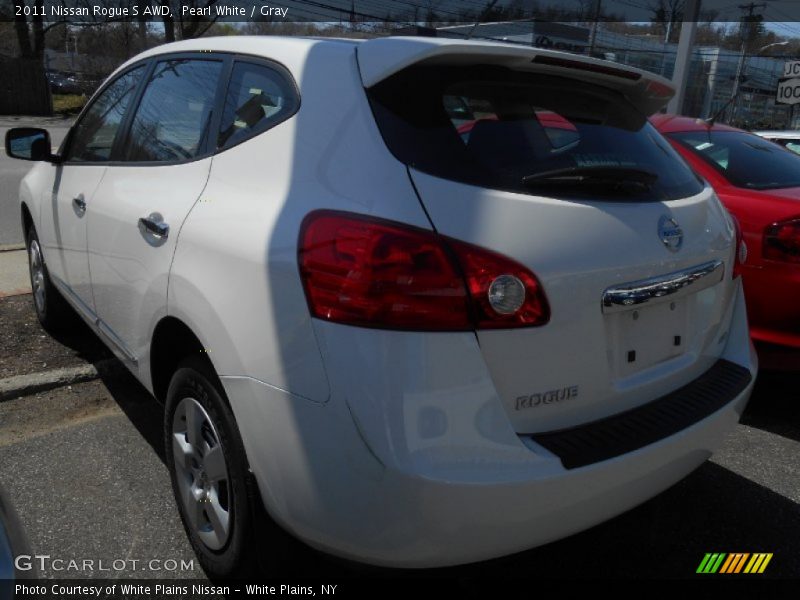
<point x="17" y="292"/>
<point x="24" y="385"/>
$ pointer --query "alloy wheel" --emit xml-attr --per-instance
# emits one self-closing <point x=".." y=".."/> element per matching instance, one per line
<point x="36" y="264"/>
<point x="202" y="474"/>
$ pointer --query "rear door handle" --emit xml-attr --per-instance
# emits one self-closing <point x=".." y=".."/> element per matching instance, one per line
<point x="80" y="204"/>
<point x="155" y="225"/>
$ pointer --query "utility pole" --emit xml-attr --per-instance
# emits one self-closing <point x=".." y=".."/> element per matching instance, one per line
<point x="593" y="31"/>
<point x="480" y="19"/>
<point x="748" y="21"/>
<point x="683" y="58"/>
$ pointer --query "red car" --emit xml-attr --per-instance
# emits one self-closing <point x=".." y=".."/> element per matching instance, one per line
<point x="759" y="182"/>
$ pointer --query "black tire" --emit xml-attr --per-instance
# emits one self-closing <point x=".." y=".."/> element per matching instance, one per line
<point x="255" y="545"/>
<point x="52" y="310"/>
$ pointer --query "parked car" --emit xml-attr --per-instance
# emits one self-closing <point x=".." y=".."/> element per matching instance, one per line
<point x="416" y="349"/>
<point x="61" y="83"/>
<point x="15" y="554"/>
<point x="759" y="182"/>
<point x="788" y="139"/>
<point x="72" y="83"/>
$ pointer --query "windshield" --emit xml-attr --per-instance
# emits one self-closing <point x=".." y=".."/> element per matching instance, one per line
<point x="498" y="128"/>
<point x="745" y="160"/>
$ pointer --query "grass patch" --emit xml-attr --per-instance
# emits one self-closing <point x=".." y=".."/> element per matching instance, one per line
<point x="68" y="103"/>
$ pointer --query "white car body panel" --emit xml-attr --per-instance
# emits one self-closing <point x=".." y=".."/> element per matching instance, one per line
<point x="576" y="249"/>
<point x="63" y="229"/>
<point x="249" y="193"/>
<point x="130" y="267"/>
<point x="351" y="431"/>
<point x="779" y="135"/>
<point x="383" y="57"/>
<point x="364" y="462"/>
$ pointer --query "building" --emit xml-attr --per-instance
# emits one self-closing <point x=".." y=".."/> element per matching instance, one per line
<point x="712" y="72"/>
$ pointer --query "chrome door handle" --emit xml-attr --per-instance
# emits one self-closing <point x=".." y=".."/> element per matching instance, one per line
<point x="154" y="225"/>
<point x="80" y="204"/>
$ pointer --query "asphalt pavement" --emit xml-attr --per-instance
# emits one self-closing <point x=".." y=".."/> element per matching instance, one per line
<point x="84" y="467"/>
<point x="12" y="171"/>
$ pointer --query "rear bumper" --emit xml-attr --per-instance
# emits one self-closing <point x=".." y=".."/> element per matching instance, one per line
<point x="630" y="430"/>
<point x="338" y="498"/>
<point x="419" y="487"/>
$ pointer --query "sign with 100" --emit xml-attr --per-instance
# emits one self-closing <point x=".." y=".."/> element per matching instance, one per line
<point x="789" y="91"/>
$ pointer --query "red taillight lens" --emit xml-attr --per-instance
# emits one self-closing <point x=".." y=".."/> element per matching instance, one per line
<point x="374" y="273"/>
<point x="481" y="268"/>
<point x="782" y="241"/>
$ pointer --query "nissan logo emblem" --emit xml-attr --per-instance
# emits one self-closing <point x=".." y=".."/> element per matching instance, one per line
<point x="670" y="233"/>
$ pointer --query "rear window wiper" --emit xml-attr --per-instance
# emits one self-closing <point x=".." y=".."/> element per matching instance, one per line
<point x="604" y="173"/>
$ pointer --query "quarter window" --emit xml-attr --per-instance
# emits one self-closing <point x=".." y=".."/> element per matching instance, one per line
<point x="793" y="145"/>
<point x="94" y="135"/>
<point x="258" y="98"/>
<point x="173" y="120"/>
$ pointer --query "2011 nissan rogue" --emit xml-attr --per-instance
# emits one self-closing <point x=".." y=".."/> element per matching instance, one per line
<point x="430" y="301"/>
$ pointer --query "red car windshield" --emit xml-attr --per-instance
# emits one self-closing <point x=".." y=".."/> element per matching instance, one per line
<point x="744" y="159"/>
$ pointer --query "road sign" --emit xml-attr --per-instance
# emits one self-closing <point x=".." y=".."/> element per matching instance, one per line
<point x="791" y="69"/>
<point x="789" y="91"/>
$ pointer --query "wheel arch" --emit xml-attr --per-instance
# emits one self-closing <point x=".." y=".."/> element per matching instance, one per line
<point x="26" y="219"/>
<point x="172" y="342"/>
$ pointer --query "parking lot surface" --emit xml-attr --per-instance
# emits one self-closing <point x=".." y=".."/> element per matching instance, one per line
<point x="83" y="465"/>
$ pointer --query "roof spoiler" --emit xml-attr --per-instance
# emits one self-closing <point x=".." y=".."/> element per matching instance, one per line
<point x="381" y="58"/>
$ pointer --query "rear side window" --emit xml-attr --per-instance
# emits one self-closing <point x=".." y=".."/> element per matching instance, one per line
<point x="258" y="98"/>
<point x="173" y="120"/>
<point x="93" y="136"/>
<point x="746" y="160"/>
<point x="529" y="133"/>
<point x="793" y="145"/>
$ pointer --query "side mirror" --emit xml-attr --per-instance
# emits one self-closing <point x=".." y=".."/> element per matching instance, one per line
<point x="29" y="143"/>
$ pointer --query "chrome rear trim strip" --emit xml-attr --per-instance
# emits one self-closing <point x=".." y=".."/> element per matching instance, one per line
<point x="662" y="288"/>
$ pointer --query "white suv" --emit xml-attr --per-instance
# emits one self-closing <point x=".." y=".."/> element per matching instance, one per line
<point x="430" y="301"/>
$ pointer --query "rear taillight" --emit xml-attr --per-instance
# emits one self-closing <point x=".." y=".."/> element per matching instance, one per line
<point x="741" y="249"/>
<point x="782" y="241"/>
<point x="370" y="272"/>
<point x="497" y="284"/>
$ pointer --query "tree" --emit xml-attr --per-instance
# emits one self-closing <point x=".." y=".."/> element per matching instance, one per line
<point x="31" y="31"/>
<point x="666" y="15"/>
<point x="708" y="32"/>
<point x="188" y="26"/>
<point x="30" y="38"/>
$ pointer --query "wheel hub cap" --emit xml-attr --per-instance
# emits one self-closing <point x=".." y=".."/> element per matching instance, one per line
<point x="36" y="264"/>
<point x="201" y="473"/>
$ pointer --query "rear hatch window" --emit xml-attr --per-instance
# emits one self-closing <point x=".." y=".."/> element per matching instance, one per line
<point x="537" y="134"/>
